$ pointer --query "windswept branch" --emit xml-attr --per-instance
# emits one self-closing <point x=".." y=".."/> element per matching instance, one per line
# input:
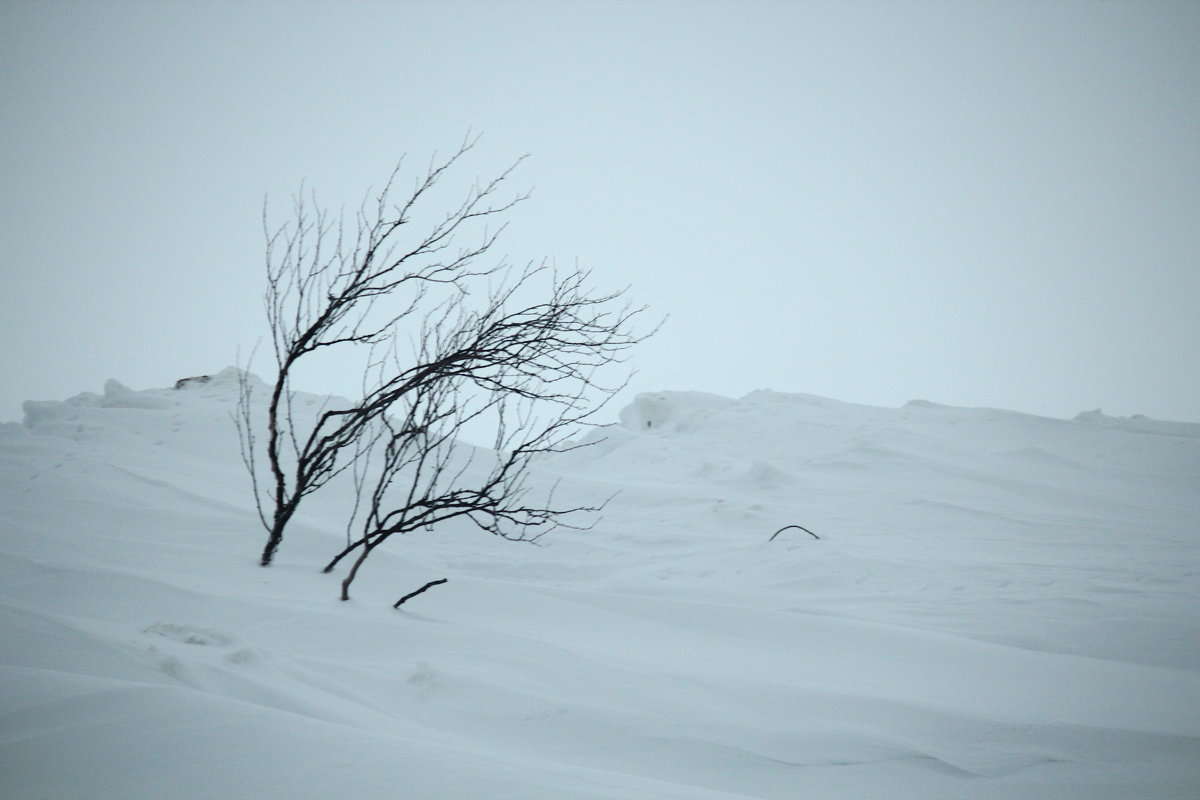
<point x="526" y="351"/>
<point x="424" y="588"/>
<point x="529" y="369"/>
<point x="334" y="284"/>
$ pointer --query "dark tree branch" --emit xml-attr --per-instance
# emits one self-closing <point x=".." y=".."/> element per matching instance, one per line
<point x="788" y="527"/>
<point x="323" y="286"/>
<point x="521" y="349"/>
<point x="411" y="595"/>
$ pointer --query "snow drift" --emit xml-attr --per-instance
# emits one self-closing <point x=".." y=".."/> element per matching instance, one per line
<point x="1000" y="606"/>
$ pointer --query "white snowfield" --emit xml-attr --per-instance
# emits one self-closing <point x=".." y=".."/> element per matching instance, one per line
<point x="999" y="606"/>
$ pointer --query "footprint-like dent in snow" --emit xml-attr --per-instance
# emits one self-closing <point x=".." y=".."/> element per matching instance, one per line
<point x="242" y="656"/>
<point x="191" y="634"/>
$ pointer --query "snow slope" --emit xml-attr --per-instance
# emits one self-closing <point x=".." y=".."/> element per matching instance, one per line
<point x="999" y="606"/>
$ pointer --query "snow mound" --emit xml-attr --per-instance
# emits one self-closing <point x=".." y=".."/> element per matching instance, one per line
<point x="118" y="395"/>
<point x="1139" y="423"/>
<point x="999" y="606"/>
<point x="674" y="412"/>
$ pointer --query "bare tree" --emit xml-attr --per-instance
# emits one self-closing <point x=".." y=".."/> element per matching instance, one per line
<point x="528" y="365"/>
<point x="326" y="290"/>
<point x="529" y="368"/>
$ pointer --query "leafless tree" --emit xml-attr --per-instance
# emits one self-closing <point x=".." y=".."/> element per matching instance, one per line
<point x="331" y="288"/>
<point x="529" y="365"/>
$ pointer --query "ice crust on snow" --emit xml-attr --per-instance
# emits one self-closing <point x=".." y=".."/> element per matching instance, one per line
<point x="1000" y="606"/>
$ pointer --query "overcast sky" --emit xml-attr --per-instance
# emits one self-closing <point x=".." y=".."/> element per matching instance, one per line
<point x="978" y="204"/>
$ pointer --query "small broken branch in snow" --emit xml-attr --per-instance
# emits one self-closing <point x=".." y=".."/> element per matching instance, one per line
<point x="786" y="527"/>
<point x="411" y="595"/>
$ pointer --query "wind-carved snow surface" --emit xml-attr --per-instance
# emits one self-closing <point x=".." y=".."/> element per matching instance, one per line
<point x="999" y="606"/>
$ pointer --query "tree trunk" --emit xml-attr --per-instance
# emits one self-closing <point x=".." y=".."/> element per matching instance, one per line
<point x="354" y="571"/>
<point x="282" y="515"/>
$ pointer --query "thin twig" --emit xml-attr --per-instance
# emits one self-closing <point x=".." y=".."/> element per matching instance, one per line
<point x="786" y="527"/>
<point x="411" y="595"/>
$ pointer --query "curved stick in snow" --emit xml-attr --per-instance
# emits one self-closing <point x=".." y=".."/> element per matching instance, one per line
<point x="786" y="527"/>
<point x="411" y="595"/>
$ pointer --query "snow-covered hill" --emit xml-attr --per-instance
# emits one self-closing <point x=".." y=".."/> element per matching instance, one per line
<point x="999" y="606"/>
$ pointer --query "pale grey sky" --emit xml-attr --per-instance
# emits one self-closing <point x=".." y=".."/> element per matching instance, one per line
<point x="980" y="204"/>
